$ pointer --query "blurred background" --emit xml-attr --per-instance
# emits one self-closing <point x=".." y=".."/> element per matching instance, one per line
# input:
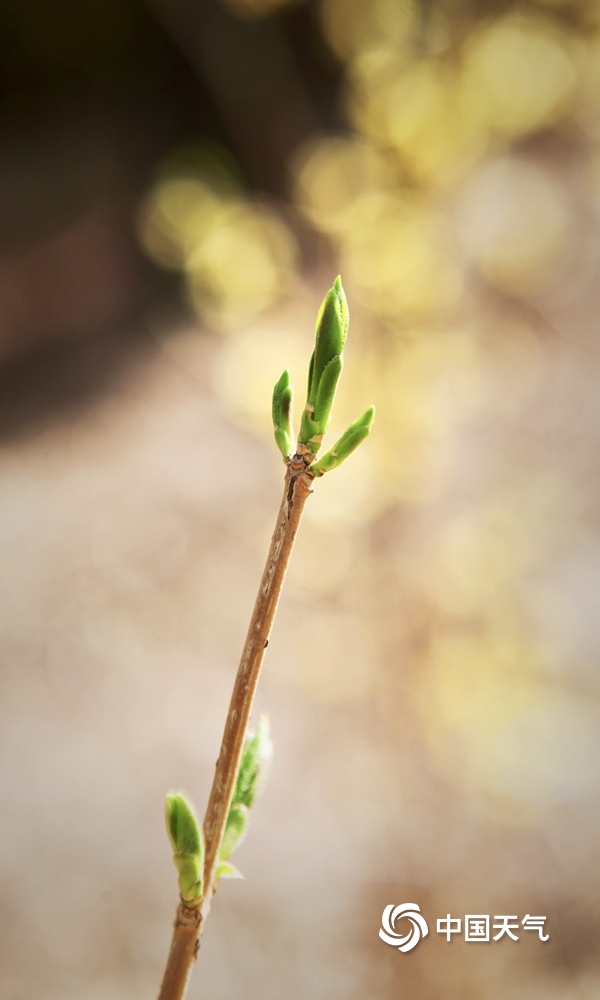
<point x="180" y="182"/>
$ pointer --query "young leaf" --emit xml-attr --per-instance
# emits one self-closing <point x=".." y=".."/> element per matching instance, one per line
<point x="349" y="441"/>
<point x="282" y="413"/>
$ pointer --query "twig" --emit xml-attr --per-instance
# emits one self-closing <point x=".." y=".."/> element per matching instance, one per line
<point x="189" y="921"/>
<point x="201" y="859"/>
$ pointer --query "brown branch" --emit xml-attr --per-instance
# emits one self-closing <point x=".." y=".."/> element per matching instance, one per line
<point x="189" y="921"/>
<point x="184" y="948"/>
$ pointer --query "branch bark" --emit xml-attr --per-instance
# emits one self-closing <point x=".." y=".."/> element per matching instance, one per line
<point x="189" y="922"/>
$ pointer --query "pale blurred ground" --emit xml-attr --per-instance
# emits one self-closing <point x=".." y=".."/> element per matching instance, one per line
<point x="432" y="678"/>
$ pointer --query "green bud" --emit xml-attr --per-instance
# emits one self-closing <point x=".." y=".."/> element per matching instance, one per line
<point x="325" y="366"/>
<point x="282" y="411"/>
<point x="235" y="830"/>
<point x="188" y="847"/>
<point x="349" y="441"/>
<point x="331" y="332"/>
<point x="182" y="825"/>
<point x="257" y="751"/>
<point x="323" y="376"/>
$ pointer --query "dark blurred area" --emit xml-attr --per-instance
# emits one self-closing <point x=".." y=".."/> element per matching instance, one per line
<point x="93" y="98"/>
<point x="180" y="182"/>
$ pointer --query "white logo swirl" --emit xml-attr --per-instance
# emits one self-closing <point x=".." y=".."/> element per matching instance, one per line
<point x="418" y="930"/>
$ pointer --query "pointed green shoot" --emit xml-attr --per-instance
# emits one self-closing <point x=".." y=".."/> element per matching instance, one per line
<point x="331" y="331"/>
<point x="323" y="376"/>
<point x="325" y="366"/>
<point x="187" y="842"/>
<point x="256" y="753"/>
<point x="349" y="441"/>
<point x="282" y="415"/>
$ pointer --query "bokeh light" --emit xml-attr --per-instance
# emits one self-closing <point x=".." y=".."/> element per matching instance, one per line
<point x="515" y="225"/>
<point x="237" y="255"/>
<point x="520" y="73"/>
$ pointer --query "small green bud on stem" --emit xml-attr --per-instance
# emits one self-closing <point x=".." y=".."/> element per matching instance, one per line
<point x="282" y="415"/>
<point x="325" y="366"/>
<point x="324" y="373"/>
<point x="256" y="753"/>
<point x="188" y="848"/>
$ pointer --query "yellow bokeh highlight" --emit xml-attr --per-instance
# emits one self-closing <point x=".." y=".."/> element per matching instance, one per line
<point x="511" y="744"/>
<point x="425" y="386"/>
<point x="401" y="260"/>
<point x="515" y="224"/>
<point x="250" y="364"/>
<point x="486" y="681"/>
<point x="518" y="74"/>
<point x="549" y="755"/>
<point x="474" y="688"/>
<point x="175" y="218"/>
<point x="237" y="254"/>
<point x="477" y="683"/>
<point x="244" y="261"/>
<point x="334" y="176"/>
<point x="417" y="108"/>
